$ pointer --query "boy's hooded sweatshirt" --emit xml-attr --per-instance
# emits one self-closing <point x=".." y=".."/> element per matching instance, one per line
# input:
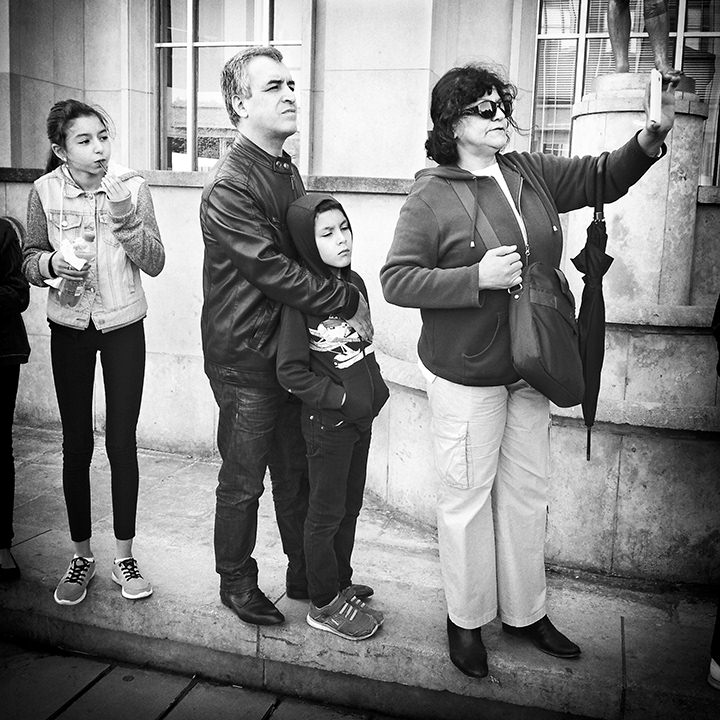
<point x="323" y="360"/>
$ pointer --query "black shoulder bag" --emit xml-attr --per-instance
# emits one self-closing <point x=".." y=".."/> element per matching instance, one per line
<point x="543" y="329"/>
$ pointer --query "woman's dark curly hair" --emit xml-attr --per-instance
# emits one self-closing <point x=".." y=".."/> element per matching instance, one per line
<point x="452" y="93"/>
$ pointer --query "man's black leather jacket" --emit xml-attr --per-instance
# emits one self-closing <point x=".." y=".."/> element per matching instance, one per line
<point x="249" y="271"/>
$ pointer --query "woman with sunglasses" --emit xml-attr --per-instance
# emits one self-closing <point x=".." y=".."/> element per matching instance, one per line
<point x="490" y="428"/>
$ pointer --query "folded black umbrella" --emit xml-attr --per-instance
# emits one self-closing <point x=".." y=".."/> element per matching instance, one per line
<point x="593" y="262"/>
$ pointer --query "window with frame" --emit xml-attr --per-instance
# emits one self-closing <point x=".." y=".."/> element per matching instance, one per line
<point x="573" y="48"/>
<point x="195" y="39"/>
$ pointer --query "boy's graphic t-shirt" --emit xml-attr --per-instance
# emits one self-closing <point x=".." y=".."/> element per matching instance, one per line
<point x="324" y="362"/>
<point x="337" y="337"/>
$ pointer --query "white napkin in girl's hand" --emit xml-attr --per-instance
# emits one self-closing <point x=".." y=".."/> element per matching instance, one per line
<point x="71" y="258"/>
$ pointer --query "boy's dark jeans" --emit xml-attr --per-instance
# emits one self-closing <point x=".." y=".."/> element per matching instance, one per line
<point x="337" y="463"/>
<point x="257" y="428"/>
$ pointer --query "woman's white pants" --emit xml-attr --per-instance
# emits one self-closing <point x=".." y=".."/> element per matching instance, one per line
<point x="491" y="448"/>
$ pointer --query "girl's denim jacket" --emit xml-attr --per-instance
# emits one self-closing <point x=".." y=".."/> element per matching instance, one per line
<point x="127" y="241"/>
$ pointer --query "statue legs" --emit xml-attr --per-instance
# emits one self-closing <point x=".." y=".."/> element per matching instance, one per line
<point x="656" y="25"/>
<point x="618" y="17"/>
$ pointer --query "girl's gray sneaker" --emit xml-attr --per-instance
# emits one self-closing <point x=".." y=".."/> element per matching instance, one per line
<point x="126" y="574"/>
<point x="72" y="589"/>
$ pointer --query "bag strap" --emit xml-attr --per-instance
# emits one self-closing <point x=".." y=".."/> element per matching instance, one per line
<point x="488" y="236"/>
<point x="600" y="186"/>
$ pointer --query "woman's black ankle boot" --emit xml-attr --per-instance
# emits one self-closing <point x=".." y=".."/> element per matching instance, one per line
<point x="467" y="651"/>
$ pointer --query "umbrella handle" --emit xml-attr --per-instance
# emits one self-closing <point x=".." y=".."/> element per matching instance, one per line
<point x="600" y="185"/>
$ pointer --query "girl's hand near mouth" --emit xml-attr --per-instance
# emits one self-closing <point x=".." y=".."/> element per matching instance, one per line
<point x="114" y="188"/>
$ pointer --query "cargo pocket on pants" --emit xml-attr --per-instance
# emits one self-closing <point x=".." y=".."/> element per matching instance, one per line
<point x="450" y="440"/>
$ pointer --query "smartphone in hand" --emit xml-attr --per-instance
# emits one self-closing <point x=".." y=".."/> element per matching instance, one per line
<point x="655" y="115"/>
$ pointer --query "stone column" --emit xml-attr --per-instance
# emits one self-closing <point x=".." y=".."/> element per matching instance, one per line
<point x="651" y="229"/>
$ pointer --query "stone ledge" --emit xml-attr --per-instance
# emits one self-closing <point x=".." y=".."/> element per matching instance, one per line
<point x="631" y="102"/>
<point x="401" y="372"/>
<point x="655" y="415"/>
<point x="660" y="317"/>
<point x="403" y="670"/>
<point x="625" y="92"/>
<point x="371" y="185"/>
<point x="649" y="415"/>
<point x="707" y="194"/>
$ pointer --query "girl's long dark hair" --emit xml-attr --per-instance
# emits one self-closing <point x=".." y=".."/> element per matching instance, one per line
<point x="61" y="115"/>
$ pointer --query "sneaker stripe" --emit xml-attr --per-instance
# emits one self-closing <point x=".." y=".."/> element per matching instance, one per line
<point x="348" y="611"/>
<point x="356" y="602"/>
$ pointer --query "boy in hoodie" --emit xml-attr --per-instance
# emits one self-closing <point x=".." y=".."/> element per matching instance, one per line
<point x="333" y="371"/>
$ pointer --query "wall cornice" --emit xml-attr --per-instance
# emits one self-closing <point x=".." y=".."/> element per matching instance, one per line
<point x="706" y="194"/>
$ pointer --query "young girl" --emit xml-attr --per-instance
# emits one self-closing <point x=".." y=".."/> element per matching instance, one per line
<point x="14" y="350"/>
<point x="333" y="371"/>
<point x="91" y="229"/>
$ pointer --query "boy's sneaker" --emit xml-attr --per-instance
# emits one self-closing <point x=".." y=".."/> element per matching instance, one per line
<point x="126" y="574"/>
<point x="72" y="589"/>
<point x="362" y="591"/>
<point x="342" y="618"/>
<point x="358" y="603"/>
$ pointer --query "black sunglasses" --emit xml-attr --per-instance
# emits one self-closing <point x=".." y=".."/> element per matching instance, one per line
<point x="487" y="109"/>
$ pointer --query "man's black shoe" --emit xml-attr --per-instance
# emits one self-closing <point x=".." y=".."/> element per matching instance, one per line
<point x="252" y="607"/>
<point x="467" y="651"/>
<point x="546" y="637"/>
<point x="296" y="579"/>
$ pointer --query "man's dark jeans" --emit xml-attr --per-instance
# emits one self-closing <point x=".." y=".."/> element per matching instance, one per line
<point x="337" y="460"/>
<point x="258" y="428"/>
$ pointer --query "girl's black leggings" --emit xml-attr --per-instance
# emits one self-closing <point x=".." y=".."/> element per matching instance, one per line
<point x="122" y="356"/>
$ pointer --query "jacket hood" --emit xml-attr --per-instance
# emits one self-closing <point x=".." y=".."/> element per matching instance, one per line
<point x="453" y="172"/>
<point x="301" y="224"/>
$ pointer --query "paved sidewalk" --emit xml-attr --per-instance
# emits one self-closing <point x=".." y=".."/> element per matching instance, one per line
<point x="645" y="649"/>
<point x="38" y="685"/>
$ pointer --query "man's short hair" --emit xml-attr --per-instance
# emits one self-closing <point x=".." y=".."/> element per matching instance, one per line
<point x="235" y="81"/>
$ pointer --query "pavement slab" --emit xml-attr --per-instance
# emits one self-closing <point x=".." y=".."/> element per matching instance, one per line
<point x="127" y="694"/>
<point x="222" y="703"/>
<point x="645" y="647"/>
<point x="34" y="685"/>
